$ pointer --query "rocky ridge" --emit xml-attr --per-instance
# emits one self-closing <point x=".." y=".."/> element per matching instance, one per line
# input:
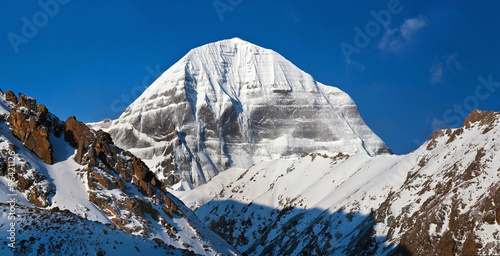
<point x="450" y="203"/>
<point x="125" y="193"/>
<point x="108" y="168"/>
<point x="441" y="199"/>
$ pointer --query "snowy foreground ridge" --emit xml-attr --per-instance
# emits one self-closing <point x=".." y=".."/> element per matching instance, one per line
<point x="233" y="104"/>
<point x="244" y="154"/>
<point x="442" y="199"/>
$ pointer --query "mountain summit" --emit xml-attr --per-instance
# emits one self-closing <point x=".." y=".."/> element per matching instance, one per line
<point x="233" y="104"/>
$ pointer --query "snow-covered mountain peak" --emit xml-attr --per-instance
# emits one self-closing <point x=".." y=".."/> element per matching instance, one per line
<point x="233" y="104"/>
<point x="235" y="68"/>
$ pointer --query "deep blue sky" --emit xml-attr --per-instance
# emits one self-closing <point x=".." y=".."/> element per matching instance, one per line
<point x="92" y="58"/>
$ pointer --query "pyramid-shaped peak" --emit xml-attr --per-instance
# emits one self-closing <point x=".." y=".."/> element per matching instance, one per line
<point x="229" y="46"/>
<point x="235" y="104"/>
<point x="234" y="40"/>
<point x="237" y="41"/>
<point x="236" y="65"/>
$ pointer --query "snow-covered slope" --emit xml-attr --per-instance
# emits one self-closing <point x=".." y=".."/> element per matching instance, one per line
<point x="45" y="232"/>
<point x="442" y="199"/>
<point x="233" y="104"/>
<point x="450" y="201"/>
<point x="287" y="207"/>
<point x="92" y="196"/>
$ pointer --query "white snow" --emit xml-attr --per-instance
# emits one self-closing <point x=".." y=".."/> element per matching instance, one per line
<point x="281" y="112"/>
<point x="71" y="191"/>
<point x="315" y="186"/>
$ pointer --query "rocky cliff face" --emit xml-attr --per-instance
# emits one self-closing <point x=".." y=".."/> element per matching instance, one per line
<point x="233" y="104"/>
<point x="441" y="199"/>
<point x="109" y="168"/>
<point x="33" y="124"/>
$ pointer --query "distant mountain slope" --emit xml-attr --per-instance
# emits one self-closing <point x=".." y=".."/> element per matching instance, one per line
<point x="232" y="104"/>
<point x="81" y="174"/>
<point x="442" y="199"/>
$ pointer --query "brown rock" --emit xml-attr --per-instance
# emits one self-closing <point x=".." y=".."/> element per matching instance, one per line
<point x="37" y="197"/>
<point x="109" y="167"/>
<point x="42" y="111"/>
<point x="103" y="181"/>
<point x="23" y="183"/>
<point x="79" y="136"/>
<point x="103" y="203"/>
<point x="77" y="132"/>
<point x="27" y="102"/>
<point x="10" y="96"/>
<point x="31" y="127"/>
<point x="34" y="136"/>
<point x="124" y="170"/>
<point x="18" y="124"/>
<point x="484" y="117"/>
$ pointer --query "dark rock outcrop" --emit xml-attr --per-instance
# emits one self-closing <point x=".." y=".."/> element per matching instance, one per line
<point x="10" y="96"/>
<point x="34" y="136"/>
<point x="107" y="168"/>
<point x="79" y="136"/>
<point x="33" y="124"/>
